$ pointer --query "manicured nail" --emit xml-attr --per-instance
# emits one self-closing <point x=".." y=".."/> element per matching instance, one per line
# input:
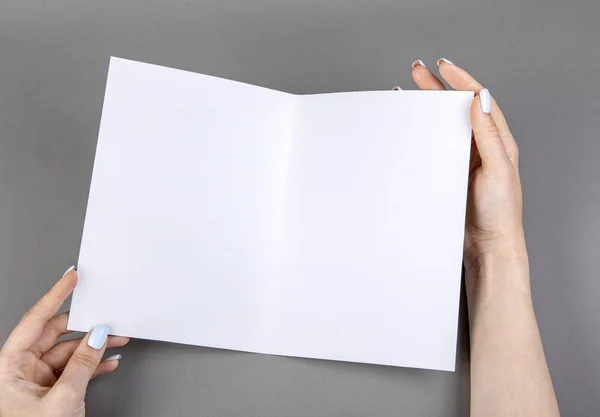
<point x="113" y="358"/>
<point x="396" y="88"/>
<point x="484" y="99"/>
<point x="439" y="61"/>
<point x="72" y="267"/>
<point x="419" y="62"/>
<point x="98" y="337"/>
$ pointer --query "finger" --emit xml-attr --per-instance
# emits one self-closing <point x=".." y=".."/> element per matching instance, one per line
<point x="53" y="330"/>
<point x="58" y="357"/>
<point x="29" y="329"/>
<point x="461" y="80"/>
<point x="486" y="134"/>
<point x="73" y="382"/>
<point x="108" y="365"/>
<point x="424" y="78"/>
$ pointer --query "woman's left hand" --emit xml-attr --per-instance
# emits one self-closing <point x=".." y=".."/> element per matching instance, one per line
<point x="42" y="377"/>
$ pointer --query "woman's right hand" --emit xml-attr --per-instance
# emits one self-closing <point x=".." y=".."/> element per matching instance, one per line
<point x="509" y="374"/>
<point x="494" y="205"/>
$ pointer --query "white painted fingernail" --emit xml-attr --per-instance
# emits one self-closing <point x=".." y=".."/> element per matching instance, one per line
<point x="72" y="267"/>
<point x="396" y="88"/>
<point x="484" y="99"/>
<point x="419" y="62"/>
<point x="447" y="61"/>
<point x="98" y="337"/>
<point x="113" y="358"/>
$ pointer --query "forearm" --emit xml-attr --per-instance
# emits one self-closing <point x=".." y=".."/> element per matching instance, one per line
<point x="509" y="374"/>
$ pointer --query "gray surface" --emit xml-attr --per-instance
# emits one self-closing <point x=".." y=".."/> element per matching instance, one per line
<point x="538" y="60"/>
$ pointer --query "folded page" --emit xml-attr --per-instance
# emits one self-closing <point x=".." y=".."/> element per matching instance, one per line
<point x="228" y="215"/>
<point x="179" y="226"/>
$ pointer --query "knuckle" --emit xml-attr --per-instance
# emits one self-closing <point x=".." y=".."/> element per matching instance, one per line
<point x="55" y="299"/>
<point x="489" y="126"/>
<point x="31" y="314"/>
<point x="56" y="326"/>
<point x="10" y="364"/>
<point x="84" y="359"/>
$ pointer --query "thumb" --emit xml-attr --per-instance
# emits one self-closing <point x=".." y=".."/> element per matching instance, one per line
<point x="82" y="365"/>
<point x="486" y="134"/>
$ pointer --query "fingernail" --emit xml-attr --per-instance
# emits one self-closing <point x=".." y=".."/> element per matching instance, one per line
<point x="98" y="337"/>
<point x="113" y="358"/>
<point x="72" y="267"/>
<point x="447" y="61"/>
<point x="484" y="99"/>
<point x="419" y="62"/>
<point x="396" y="88"/>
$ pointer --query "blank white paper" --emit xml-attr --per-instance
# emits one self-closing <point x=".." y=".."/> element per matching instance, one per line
<point x="228" y="215"/>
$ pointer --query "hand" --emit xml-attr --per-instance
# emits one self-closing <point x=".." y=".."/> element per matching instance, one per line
<point x="41" y="377"/>
<point x="509" y="374"/>
<point x="494" y="204"/>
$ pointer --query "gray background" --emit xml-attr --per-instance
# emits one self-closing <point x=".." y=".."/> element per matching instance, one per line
<point x="537" y="59"/>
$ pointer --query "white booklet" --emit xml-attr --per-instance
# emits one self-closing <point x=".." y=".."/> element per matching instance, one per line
<point x="233" y="216"/>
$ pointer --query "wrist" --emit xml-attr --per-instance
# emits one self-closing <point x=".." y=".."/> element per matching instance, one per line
<point x="486" y="253"/>
<point x="498" y="270"/>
